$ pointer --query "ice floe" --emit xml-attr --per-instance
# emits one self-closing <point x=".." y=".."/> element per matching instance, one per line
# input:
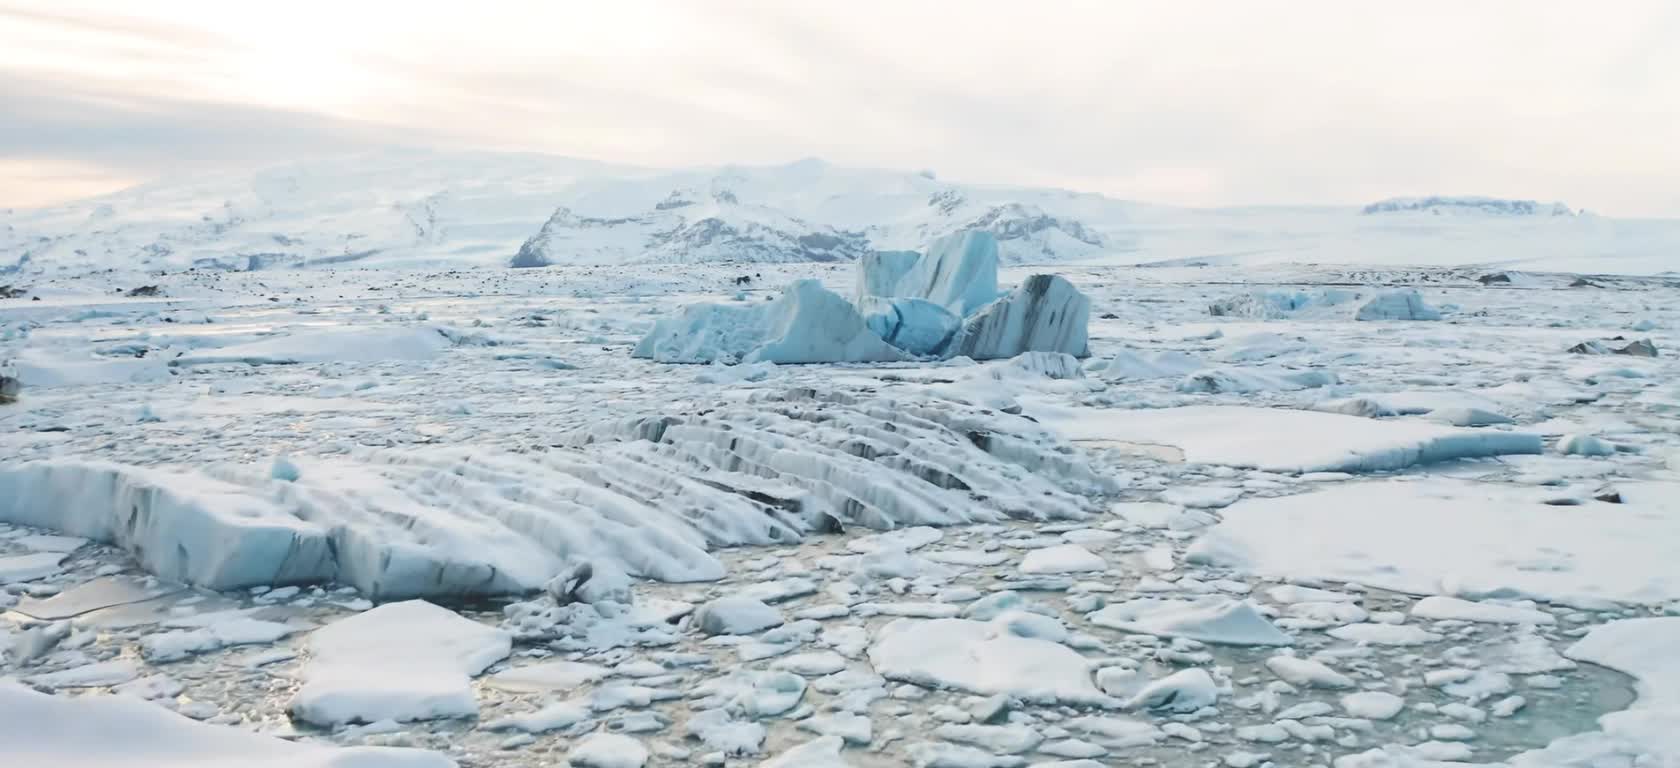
<point x="400" y="661"/>
<point x="971" y="656"/>
<point x="1454" y="538"/>
<point x="1285" y="440"/>
<point x="128" y="732"/>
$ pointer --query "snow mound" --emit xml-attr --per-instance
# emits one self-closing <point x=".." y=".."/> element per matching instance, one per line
<point x="1285" y="440"/>
<point x="971" y="656"/>
<point x="648" y="495"/>
<point x="1397" y="305"/>
<point x="1218" y="620"/>
<point x="1457" y="538"/>
<point x="338" y="345"/>
<point x="400" y="661"/>
<point x="958" y="272"/>
<point x="129" y="732"/>
<point x="806" y="324"/>
<point x="1045" y="313"/>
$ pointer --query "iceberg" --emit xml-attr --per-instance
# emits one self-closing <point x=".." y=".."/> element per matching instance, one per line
<point x="878" y="273"/>
<point x="917" y="326"/>
<point x="1044" y="314"/>
<point x="959" y="273"/>
<point x="806" y="324"/>
<point x="1397" y="305"/>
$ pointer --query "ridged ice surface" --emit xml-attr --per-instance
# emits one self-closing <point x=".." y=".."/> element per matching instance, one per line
<point x="653" y="493"/>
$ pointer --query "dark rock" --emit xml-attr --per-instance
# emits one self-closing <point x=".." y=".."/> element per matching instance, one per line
<point x="1496" y="278"/>
<point x="144" y="291"/>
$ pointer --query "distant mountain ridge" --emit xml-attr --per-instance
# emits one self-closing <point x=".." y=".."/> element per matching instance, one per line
<point x="418" y="208"/>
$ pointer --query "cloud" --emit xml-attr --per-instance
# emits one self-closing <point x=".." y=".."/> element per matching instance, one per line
<point x="1315" y="101"/>
<point x="62" y="120"/>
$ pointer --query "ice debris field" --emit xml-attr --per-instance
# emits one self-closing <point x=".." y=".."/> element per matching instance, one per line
<point x="921" y="507"/>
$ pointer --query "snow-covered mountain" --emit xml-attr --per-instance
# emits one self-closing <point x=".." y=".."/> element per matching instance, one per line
<point x="424" y="208"/>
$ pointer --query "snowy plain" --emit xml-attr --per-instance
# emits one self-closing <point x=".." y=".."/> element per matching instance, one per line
<point x="1248" y="529"/>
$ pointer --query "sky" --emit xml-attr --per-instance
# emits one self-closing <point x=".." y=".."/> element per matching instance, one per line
<point x="1201" y="102"/>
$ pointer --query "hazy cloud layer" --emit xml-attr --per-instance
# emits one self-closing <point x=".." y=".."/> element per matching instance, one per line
<point x="1203" y="103"/>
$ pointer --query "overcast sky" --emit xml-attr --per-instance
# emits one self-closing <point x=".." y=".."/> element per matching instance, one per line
<point x="1200" y="103"/>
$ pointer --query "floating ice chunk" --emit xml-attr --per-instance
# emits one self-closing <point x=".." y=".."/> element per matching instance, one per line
<point x="1214" y="619"/>
<point x="1184" y="691"/>
<point x="823" y="752"/>
<point x="1115" y="732"/>
<point x="1202" y="497"/>
<point x="546" y="676"/>
<point x="719" y="730"/>
<point x="400" y="661"/>
<point x="939" y="754"/>
<point x="607" y="750"/>
<point x="551" y="717"/>
<point x="1469" y="417"/>
<point x="1248" y="381"/>
<point x="1372" y="705"/>
<point x="1441" y="607"/>
<point x="811" y="664"/>
<point x="99" y="674"/>
<point x="999" y="739"/>
<point x="1384" y="634"/>
<point x="1292" y="593"/>
<point x="1045" y="313"/>
<point x="1306" y="672"/>
<point x="970" y="656"/>
<point x="1528" y="653"/>
<point x="1584" y="445"/>
<point x="904" y="539"/>
<point x="917" y="326"/>
<point x="1128" y="365"/>
<point x="1406" y="304"/>
<point x="1062" y="558"/>
<point x="849" y="727"/>
<point x="1284" y="440"/>
<point x="736" y="615"/>
<point x="111" y="731"/>
<point x="806" y="324"/>
<point x="1050" y="365"/>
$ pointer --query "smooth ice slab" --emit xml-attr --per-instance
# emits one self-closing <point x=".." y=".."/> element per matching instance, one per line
<point x="128" y="732"/>
<point x="1458" y="538"/>
<point x="348" y="345"/>
<point x="400" y="661"/>
<point x="1285" y="440"/>
<point x="974" y="656"/>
